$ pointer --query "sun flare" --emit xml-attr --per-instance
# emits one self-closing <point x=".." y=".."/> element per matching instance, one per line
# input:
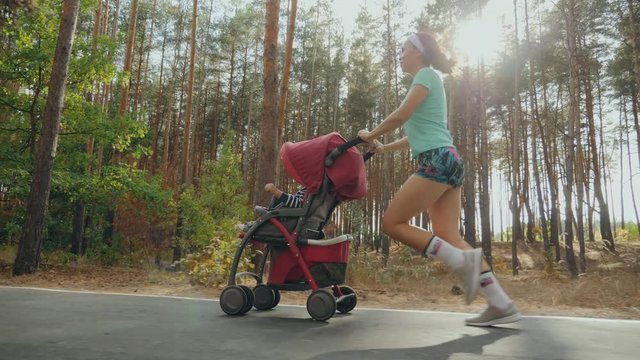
<point x="479" y="37"/>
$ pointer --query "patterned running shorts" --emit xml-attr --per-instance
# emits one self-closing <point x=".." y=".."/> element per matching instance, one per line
<point x="443" y="165"/>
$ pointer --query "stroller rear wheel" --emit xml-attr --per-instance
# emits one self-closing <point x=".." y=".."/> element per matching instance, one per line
<point x="321" y="305"/>
<point x="250" y="298"/>
<point x="348" y="301"/>
<point x="234" y="300"/>
<point x="265" y="297"/>
<point x="276" y="300"/>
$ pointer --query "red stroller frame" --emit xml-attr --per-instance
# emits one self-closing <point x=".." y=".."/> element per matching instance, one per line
<point x="300" y="258"/>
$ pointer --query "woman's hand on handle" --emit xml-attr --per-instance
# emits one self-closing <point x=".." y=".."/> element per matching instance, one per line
<point x="365" y="135"/>
<point x="375" y="146"/>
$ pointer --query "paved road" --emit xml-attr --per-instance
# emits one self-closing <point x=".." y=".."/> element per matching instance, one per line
<point x="40" y="324"/>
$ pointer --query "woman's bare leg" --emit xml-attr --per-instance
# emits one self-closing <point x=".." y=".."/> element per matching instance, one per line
<point x="415" y="196"/>
<point x="445" y="219"/>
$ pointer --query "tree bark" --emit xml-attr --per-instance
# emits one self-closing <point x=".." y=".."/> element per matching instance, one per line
<point x="28" y="256"/>
<point x="605" y="220"/>
<point x="485" y="166"/>
<point x="574" y="118"/>
<point x="128" y="59"/>
<point x="516" y="227"/>
<point x="185" y="178"/>
<point x="633" y="192"/>
<point x="269" y="128"/>
<point x="159" y="110"/>
<point x="535" y="125"/>
<point x="307" y="134"/>
<point x="286" y="71"/>
<point x="469" y="141"/>
<point x="635" y="40"/>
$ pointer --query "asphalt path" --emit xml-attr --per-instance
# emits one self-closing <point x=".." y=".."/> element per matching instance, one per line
<point x="51" y="324"/>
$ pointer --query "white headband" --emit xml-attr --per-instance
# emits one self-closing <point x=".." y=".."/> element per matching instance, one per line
<point x="415" y="40"/>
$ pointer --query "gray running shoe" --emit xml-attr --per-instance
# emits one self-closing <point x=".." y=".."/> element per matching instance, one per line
<point x="469" y="273"/>
<point x="494" y="316"/>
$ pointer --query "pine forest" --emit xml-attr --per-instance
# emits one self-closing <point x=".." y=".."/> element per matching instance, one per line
<point x="142" y="131"/>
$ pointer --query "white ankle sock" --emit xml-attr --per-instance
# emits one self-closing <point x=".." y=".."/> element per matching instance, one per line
<point x="491" y="290"/>
<point x="442" y="250"/>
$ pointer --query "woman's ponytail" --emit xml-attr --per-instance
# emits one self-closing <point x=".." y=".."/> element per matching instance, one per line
<point x="432" y="54"/>
<point x="442" y="63"/>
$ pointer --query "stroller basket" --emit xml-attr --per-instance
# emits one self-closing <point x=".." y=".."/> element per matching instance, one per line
<point x="328" y="265"/>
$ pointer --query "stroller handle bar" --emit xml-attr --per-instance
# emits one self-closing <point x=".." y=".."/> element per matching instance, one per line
<point x="331" y="158"/>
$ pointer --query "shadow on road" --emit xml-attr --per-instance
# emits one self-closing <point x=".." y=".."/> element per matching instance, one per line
<point x="466" y="344"/>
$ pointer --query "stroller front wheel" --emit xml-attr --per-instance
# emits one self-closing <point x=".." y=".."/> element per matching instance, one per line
<point x="321" y="305"/>
<point x="265" y="297"/>
<point x="250" y="298"/>
<point x="234" y="300"/>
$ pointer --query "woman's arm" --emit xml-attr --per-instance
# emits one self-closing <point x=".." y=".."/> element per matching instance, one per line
<point x="399" y="116"/>
<point x="401" y="144"/>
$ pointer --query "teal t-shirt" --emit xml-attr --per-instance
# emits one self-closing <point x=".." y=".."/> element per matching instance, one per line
<point x="427" y="127"/>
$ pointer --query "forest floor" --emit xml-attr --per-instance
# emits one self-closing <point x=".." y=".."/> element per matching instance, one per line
<point x="609" y="289"/>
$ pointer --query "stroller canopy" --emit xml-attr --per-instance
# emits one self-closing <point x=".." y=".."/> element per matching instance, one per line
<point x="304" y="161"/>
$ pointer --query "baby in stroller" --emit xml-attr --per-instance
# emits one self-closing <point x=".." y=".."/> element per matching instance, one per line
<point x="330" y="171"/>
<point x="280" y="198"/>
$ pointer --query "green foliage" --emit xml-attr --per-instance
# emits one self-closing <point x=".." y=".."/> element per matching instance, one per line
<point x="25" y="66"/>
<point x="104" y="255"/>
<point x="210" y="211"/>
<point x="59" y="257"/>
<point x="629" y="233"/>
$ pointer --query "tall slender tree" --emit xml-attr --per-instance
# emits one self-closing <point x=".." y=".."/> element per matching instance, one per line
<point x="185" y="180"/>
<point x="269" y="126"/>
<point x="570" y="9"/>
<point x="28" y="256"/>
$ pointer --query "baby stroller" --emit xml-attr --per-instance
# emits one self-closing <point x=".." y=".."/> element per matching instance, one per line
<point x="300" y="257"/>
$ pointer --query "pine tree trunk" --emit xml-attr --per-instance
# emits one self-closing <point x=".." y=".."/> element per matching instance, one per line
<point x="633" y="192"/>
<point x="122" y="111"/>
<point x="307" y="133"/>
<point x="515" y="159"/>
<point x="232" y="64"/>
<point x="185" y="178"/>
<point x="526" y="183"/>
<point x="622" y="127"/>
<point x="286" y="71"/>
<point x="128" y="61"/>
<point x="28" y="256"/>
<point x="78" y="223"/>
<point x="536" y="132"/>
<point x="574" y="118"/>
<point x="159" y="110"/>
<point x="635" y="56"/>
<point x="485" y="166"/>
<point x="580" y="198"/>
<point x="77" y="234"/>
<point x="269" y="128"/>
<point x="605" y="221"/>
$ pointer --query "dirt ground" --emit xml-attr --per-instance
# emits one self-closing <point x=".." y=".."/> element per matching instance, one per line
<point x="611" y="289"/>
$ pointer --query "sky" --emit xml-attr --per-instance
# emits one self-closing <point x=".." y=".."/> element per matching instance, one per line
<point x="475" y="36"/>
<point x="485" y="37"/>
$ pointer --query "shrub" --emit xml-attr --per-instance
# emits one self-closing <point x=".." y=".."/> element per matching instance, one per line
<point x="210" y="209"/>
